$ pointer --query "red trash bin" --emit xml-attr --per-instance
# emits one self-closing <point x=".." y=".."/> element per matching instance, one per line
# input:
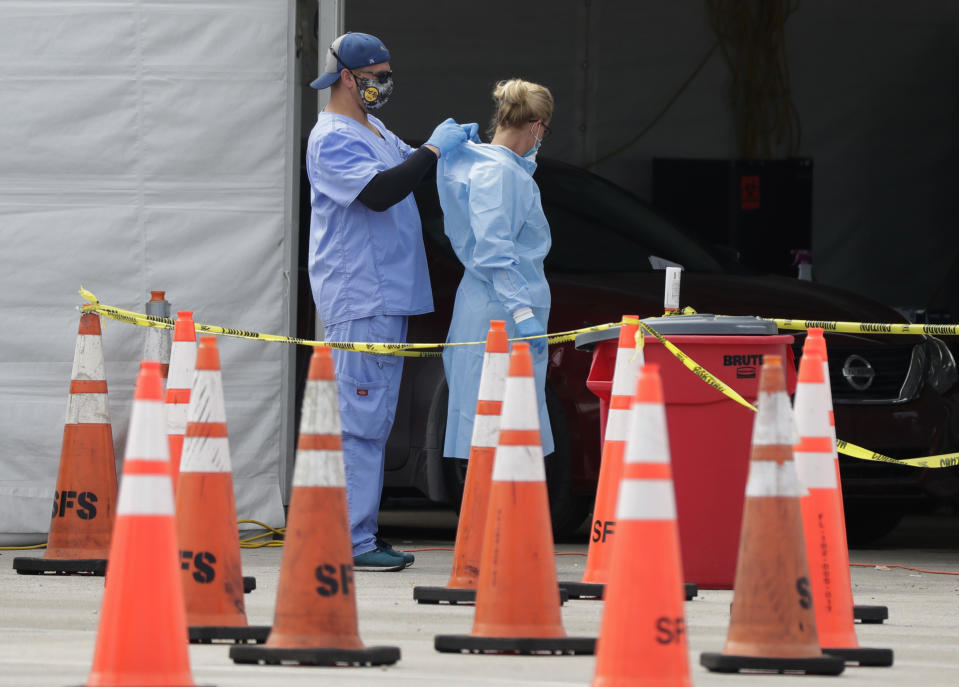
<point x="709" y="433"/>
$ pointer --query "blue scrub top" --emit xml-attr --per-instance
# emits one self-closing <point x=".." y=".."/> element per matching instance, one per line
<point x="362" y="263"/>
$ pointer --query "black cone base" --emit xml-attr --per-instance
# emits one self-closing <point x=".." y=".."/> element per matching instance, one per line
<point x="580" y="646"/>
<point x="243" y="634"/>
<point x="369" y="656"/>
<point x="877" y="658"/>
<point x="435" y="595"/>
<point x="60" y="566"/>
<point x="819" y="665"/>
<point x="589" y="590"/>
<point x="870" y="614"/>
<point x="249" y="584"/>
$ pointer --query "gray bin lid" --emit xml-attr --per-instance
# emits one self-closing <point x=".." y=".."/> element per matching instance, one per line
<point x="703" y="324"/>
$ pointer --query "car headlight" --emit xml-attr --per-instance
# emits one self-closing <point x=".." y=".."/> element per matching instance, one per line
<point x="941" y="372"/>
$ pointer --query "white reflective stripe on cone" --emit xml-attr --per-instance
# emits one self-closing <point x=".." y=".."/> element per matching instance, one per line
<point x="647" y="441"/>
<point x="493" y="376"/>
<point x="145" y="495"/>
<point x="769" y="478"/>
<point x="628" y="362"/>
<point x="182" y="363"/>
<point x="321" y="409"/>
<point x="206" y="398"/>
<point x="205" y="454"/>
<point x="485" y="430"/>
<point x="519" y="464"/>
<point x="88" y="408"/>
<point x="816" y="470"/>
<point x="147" y="439"/>
<point x="319" y="468"/>
<point x="88" y="359"/>
<point x="617" y="424"/>
<point x="176" y="414"/>
<point x="520" y="410"/>
<point x="773" y="424"/>
<point x="812" y="417"/>
<point x="646" y="499"/>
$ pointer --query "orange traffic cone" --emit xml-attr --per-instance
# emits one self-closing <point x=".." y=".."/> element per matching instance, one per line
<point x="772" y="624"/>
<point x="86" y="489"/>
<point x="517" y="600"/>
<point x="142" y="638"/>
<point x="182" y="362"/>
<point x="642" y="638"/>
<point x="315" y="620"/>
<point x="816" y="343"/>
<point x="156" y="342"/>
<point x="464" y="575"/>
<point x="628" y="362"/>
<point x="206" y="515"/>
<point x="822" y="521"/>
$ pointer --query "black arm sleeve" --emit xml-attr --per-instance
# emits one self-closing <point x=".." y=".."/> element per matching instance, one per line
<point x="392" y="185"/>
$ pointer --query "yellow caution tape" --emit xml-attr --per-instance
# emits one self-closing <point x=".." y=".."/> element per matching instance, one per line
<point x="421" y="350"/>
<point x="692" y="365"/>
<point x="410" y="350"/>
<point x="869" y="327"/>
<point x="945" y="460"/>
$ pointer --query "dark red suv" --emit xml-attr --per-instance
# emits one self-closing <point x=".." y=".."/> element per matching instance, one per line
<point x="891" y="394"/>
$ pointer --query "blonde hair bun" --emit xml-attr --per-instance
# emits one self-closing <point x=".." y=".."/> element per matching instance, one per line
<point x="518" y="102"/>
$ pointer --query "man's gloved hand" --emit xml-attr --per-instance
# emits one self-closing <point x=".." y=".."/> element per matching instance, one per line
<point x="530" y="327"/>
<point x="472" y="132"/>
<point x="447" y="136"/>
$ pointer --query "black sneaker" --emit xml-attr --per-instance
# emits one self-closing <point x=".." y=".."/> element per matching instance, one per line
<point x="379" y="560"/>
<point x="408" y="558"/>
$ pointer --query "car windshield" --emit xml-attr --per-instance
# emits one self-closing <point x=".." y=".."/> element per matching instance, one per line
<point x="599" y="227"/>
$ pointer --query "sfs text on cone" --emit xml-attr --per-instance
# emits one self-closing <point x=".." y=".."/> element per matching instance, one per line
<point x="642" y="638"/>
<point x="84" y="499"/>
<point x="315" y="620"/>
<point x="210" y="562"/>
<point x="772" y="624"/>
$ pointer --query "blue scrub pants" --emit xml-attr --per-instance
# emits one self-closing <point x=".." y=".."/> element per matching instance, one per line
<point x="368" y="387"/>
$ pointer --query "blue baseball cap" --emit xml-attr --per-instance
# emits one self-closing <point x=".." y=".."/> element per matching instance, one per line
<point x="350" y="51"/>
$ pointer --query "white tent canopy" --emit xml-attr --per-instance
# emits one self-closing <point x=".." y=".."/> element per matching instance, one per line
<point x="143" y="146"/>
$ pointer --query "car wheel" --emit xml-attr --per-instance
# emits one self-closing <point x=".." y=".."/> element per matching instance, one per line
<point x="868" y="523"/>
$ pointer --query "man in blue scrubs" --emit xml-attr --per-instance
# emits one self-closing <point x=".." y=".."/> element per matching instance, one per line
<point x="367" y="262"/>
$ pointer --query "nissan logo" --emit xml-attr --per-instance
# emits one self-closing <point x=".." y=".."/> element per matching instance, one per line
<point x="858" y="372"/>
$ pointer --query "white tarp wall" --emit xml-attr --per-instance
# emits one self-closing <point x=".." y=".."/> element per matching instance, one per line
<point x="143" y="145"/>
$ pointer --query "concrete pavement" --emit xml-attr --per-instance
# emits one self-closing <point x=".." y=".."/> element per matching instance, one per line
<point x="48" y="624"/>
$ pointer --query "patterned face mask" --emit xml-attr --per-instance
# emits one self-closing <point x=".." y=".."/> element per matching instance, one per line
<point x="375" y="92"/>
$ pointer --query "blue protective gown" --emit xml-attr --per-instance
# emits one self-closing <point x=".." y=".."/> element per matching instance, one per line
<point x="368" y="273"/>
<point x="494" y="219"/>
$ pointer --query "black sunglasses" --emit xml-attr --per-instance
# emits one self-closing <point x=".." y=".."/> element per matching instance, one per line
<point x="382" y="77"/>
